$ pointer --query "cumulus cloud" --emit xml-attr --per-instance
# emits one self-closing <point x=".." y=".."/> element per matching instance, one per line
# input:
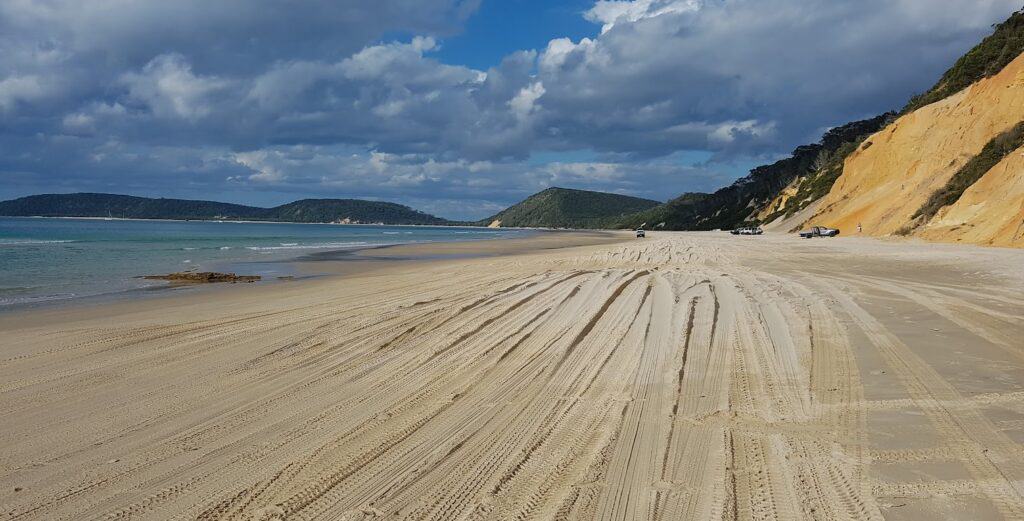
<point x="524" y="103"/>
<point x="261" y="163"/>
<point x="169" y="88"/>
<point x="610" y="12"/>
<point x="305" y="98"/>
<point x="16" y="89"/>
<point x="784" y="65"/>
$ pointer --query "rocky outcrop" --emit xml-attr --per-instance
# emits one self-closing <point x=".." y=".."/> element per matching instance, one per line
<point x="202" y="277"/>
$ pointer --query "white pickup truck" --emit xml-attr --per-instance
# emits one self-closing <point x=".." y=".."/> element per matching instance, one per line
<point x="819" y="231"/>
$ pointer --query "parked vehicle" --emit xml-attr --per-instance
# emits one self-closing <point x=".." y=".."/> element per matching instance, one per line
<point x="640" y="234"/>
<point x="756" y="230"/>
<point x="819" y="231"/>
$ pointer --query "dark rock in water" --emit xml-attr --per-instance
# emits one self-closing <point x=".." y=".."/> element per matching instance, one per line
<point x="203" y="277"/>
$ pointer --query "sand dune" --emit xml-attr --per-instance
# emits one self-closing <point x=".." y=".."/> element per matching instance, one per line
<point x="990" y="212"/>
<point x="687" y="376"/>
<point x="895" y="171"/>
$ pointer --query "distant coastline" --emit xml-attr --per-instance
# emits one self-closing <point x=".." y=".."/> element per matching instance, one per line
<point x="553" y="208"/>
<point x="251" y="221"/>
<point x="112" y="206"/>
<point x="454" y="224"/>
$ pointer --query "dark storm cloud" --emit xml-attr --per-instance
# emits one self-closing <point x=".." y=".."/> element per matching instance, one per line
<point x="303" y="98"/>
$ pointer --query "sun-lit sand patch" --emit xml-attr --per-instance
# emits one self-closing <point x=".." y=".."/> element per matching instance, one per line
<point x="685" y="376"/>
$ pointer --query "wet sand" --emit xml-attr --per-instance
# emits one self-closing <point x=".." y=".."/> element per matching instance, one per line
<point x="685" y="376"/>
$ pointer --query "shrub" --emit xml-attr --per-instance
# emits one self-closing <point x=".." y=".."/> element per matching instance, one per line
<point x="994" y="152"/>
<point x="985" y="60"/>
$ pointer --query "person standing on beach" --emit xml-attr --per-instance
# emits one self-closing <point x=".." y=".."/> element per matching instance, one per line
<point x="859" y="229"/>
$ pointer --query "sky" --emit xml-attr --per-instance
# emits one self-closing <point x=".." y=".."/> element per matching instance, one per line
<point x="454" y="107"/>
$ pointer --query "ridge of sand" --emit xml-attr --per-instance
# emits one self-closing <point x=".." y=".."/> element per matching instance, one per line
<point x="687" y="376"/>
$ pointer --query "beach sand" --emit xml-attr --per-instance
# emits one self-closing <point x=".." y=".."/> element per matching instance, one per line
<point x="684" y="376"/>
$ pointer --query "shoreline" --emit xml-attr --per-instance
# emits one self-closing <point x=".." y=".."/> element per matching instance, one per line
<point x="229" y="221"/>
<point x="315" y="267"/>
<point x="68" y="285"/>
<point x="454" y="224"/>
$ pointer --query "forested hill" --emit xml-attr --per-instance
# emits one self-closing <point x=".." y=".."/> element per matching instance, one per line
<point x="131" y="207"/>
<point x="566" y="208"/>
<point x="331" y="210"/>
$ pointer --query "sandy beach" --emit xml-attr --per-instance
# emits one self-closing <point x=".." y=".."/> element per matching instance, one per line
<point x="684" y="376"/>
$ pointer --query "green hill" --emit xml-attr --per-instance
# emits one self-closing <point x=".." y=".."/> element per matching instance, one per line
<point x="131" y="207"/>
<point x="126" y="206"/>
<point x="566" y="208"/>
<point x="331" y="210"/>
<point x="664" y="215"/>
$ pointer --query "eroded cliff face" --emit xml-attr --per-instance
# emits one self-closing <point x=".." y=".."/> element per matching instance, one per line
<point x="897" y="169"/>
<point x="780" y="201"/>
<point x="990" y="212"/>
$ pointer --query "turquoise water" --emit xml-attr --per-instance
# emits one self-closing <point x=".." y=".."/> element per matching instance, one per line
<point x="43" y="260"/>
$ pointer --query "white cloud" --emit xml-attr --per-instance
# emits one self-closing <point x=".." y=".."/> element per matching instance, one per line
<point x="610" y="12"/>
<point x="264" y="164"/>
<point x="15" y="89"/>
<point x="729" y="131"/>
<point x="791" y="66"/>
<point x="422" y="44"/>
<point x="167" y="85"/>
<point x="283" y="83"/>
<point x="84" y="121"/>
<point x="524" y="103"/>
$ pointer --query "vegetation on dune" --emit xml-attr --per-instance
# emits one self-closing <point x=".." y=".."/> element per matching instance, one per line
<point x="666" y="215"/>
<point x="823" y="173"/>
<point x="826" y="170"/>
<point x="738" y="204"/>
<point x="995" y="151"/>
<point x="983" y="61"/>
<point x="566" y="208"/>
<point x="126" y="206"/>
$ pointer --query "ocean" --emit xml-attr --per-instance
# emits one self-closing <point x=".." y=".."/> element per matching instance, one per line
<point x="47" y="260"/>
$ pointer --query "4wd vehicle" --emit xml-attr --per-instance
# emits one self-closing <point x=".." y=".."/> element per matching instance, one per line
<point x="819" y="231"/>
<point x="756" y="230"/>
<point x="640" y="234"/>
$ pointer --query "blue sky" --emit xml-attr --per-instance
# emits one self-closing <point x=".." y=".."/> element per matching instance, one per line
<point x="455" y="107"/>
<point x="500" y="28"/>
